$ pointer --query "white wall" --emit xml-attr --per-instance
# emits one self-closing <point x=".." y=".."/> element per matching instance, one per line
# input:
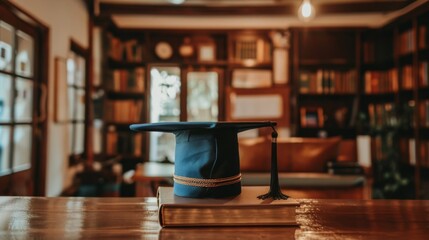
<point x="66" y="19"/>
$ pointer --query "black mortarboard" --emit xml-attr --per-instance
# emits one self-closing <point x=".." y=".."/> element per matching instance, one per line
<point x="206" y="156"/>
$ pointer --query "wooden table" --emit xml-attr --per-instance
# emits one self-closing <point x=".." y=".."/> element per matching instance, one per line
<point x="149" y="175"/>
<point x="136" y="218"/>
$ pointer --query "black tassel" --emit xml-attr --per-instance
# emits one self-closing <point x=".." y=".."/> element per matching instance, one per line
<point x="275" y="191"/>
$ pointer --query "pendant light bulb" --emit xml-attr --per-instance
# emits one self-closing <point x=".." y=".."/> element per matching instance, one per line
<point x="306" y="11"/>
<point x="177" y="2"/>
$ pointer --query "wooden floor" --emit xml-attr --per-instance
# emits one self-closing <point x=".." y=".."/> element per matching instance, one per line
<point x="137" y="218"/>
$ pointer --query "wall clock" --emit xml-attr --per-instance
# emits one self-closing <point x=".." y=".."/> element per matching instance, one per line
<point x="163" y="50"/>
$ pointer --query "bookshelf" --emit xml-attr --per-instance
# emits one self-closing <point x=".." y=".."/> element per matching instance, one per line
<point x="118" y="96"/>
<point x="394" y="77"/>
<point x="422" y="102"/>
<point x="325" y="81"/>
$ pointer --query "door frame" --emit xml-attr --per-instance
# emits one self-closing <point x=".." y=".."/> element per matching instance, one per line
<point x="40" y="32"/>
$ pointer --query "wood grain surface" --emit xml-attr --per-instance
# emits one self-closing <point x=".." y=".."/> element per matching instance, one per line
<point x="136" y="218"/>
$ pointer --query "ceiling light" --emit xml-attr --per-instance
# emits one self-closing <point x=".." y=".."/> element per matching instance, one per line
<point x="306" y="11"/>
<point x="177" y="2"/>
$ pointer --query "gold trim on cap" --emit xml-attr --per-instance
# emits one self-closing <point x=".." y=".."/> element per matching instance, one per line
<point x="211" y="183"/>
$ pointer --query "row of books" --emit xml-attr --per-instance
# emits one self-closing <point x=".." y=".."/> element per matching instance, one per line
<point x="123" y="143"/>
<point x="385" y="114"/>
<point x="409" y="152"/>
<point x="381" y="81"/>
<point x="424" y="113"/>
<point x="125" y="111"/>
<point x="406" y="149"/>
<point x="328" y="81"/>
<point x="253" y="49"/>
<point x="129" y="50"/>
<point x="406" y="42"/>
<point x="127" y="80"/>
<point x="387" y="81"/>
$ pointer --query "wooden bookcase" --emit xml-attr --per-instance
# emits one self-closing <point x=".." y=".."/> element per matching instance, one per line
<point x="118" y="96"/>
<point x="394" y="77"/>
<point x="325" y="81"/>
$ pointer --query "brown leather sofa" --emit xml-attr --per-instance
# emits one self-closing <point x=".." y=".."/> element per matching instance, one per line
<point x="294" y="154"/>
<point x="302" y="167"/>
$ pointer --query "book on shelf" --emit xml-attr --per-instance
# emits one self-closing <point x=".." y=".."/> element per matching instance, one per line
<point x="407" y="77"/>
<point x="368" y="52"/>
<point x="424" y="153"/>
<point x="243" y="210"/>
<point x="406" y="42"/>
<point x="424" y="113"/>
<point x="412" y="151"/>
<point x="424" y="74"/>
<point x="422" y="42"/>
<point x="377" y="149"/>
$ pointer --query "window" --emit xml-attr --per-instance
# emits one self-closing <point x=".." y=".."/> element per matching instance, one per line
<point x="165" y="90"/>
<point x="76" y="92"/>
<point x="16" y="99"/>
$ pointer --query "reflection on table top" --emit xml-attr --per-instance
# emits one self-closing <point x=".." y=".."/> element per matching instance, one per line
<point x="130" y="218"/>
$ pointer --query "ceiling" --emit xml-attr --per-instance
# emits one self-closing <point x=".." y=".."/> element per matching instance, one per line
<point x="230" y="14"/>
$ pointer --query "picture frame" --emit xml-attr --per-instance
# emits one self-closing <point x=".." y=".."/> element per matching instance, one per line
<point x="61" y="93"/>
<point x="265" y="104"/>
<point x="311" y="117"/>
<point x="252" y="78"/>
<point x="206" y="52"/>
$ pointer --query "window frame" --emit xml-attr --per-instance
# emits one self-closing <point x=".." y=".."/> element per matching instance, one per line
<point x="77" y="158"/>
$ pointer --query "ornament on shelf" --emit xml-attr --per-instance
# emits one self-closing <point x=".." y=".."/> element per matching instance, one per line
<point x="186" y="49"/>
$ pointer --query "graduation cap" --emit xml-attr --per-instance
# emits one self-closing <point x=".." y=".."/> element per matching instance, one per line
<point x="207" y="158"/>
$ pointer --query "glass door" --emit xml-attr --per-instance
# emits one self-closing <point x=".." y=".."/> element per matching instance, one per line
<point x="181" y="95"/>
<point x="165" y="93"/>
<point x="20" y="106"/>
<point x="202" y="100"/>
